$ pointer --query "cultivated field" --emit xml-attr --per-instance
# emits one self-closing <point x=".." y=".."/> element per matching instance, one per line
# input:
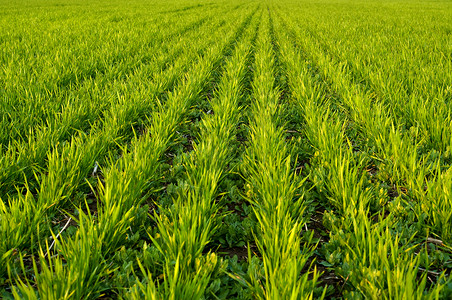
<point x="214" y="149"/>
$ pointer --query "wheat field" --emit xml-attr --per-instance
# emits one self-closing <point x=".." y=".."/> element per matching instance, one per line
<point x="213" y="149"/>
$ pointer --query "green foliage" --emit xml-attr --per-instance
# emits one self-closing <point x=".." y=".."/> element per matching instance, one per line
<point x="225" y="150"/>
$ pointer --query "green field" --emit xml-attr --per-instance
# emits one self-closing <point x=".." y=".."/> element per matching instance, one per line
<point x="213" y="149"/>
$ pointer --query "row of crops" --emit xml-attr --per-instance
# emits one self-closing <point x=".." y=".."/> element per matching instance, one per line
<point x="225" y="149"/>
